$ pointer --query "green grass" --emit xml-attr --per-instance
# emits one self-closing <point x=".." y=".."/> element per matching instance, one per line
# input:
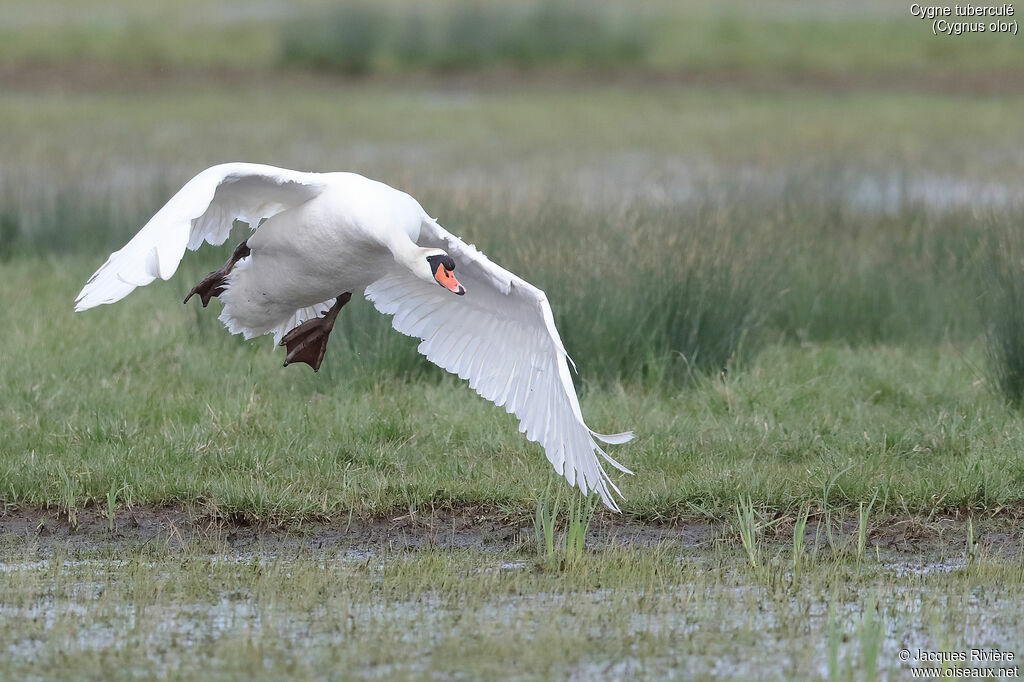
<point x="850" y="332"/>
<point x="654" y="614"/>
<point x="154" y="399"/>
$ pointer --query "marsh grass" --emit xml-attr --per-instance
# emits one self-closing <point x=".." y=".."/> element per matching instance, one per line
<point x="971" y="549"/>
<point x="650" y="294"/>
<point x="347" y="39"/>
<point x="799" y="528"/>
<point x="863" y="516"/>
<point x="544" y="523"/>
<point x="360" y="38"/>
<point x="168" y="417"/>
<point x="111" y="508"/>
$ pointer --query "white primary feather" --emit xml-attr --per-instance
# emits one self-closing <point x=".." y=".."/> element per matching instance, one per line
<point x="203" y="210"/>
<point x="501" y="337"/>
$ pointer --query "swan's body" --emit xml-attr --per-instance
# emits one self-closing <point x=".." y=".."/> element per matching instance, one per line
<point x="326" y="235"/>
<point x="307" y="255"/>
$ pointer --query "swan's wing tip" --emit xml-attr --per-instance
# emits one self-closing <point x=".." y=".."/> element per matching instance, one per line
<point x="614" y="438"/>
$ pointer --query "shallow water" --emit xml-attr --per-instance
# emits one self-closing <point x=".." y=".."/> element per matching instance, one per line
<point x="722" y="624"/>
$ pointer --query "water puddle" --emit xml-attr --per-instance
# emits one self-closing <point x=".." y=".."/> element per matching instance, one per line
<point x="922" y="568"/>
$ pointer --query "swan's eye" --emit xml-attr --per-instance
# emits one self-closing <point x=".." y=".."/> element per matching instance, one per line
<point x="441" y="267"/>
<point x="441" y="260"/>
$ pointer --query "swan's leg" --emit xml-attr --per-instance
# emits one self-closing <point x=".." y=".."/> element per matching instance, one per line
<point x="213" y="284"/>
<point x="308" y="342"/>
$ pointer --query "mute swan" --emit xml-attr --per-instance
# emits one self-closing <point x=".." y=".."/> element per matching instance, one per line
<point x="326" y="235"/>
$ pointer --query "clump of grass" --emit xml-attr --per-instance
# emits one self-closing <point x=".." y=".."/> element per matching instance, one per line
<point x="746" y="520"/>
<point x="544" y="523"/>
<point x="579" y="512"/>
<point x="865" y="276"/>
<point x="111" y="507"/>
<point x="863" y="514"/>
<point x="659" y="296"/>
<point x="69" y="496"/>
<point x="798" y="539"/>
<point x="826" y="509"/>
<point x="971" y="551"/>
<point x="360" y="38"/>
<point x="577" y="525"/>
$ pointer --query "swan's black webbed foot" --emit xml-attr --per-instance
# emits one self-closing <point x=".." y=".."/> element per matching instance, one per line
<point x="214" y="283"/>
<point x="308" y="342"/>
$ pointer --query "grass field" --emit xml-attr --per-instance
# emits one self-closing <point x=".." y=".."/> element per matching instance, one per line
<point x="167" y="409"/>
<point x="783" y="245"/>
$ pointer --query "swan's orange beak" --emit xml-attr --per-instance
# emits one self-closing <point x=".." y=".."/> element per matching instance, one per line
<point x="446" y="279"/>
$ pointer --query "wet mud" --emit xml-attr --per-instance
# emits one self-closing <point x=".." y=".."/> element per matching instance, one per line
<point x="474" y="528"/>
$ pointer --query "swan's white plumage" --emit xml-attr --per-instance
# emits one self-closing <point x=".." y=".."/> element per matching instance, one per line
<point x="203" y="210"/>
<point x="500" y="336"/>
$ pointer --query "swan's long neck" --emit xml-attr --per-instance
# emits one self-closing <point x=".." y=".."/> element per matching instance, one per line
<point x="411" y="256"/>
<point x="405" y="251"/>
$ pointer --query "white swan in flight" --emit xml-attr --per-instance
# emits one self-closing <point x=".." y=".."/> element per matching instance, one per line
<point x="326" y="235"/>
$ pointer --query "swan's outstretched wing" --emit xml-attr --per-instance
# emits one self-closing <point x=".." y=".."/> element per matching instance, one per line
<point x="501" y="336"/>
<point x="203" y="210"/>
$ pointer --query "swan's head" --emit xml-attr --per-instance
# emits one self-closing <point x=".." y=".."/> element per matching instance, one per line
<point x="439" y="267"/>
